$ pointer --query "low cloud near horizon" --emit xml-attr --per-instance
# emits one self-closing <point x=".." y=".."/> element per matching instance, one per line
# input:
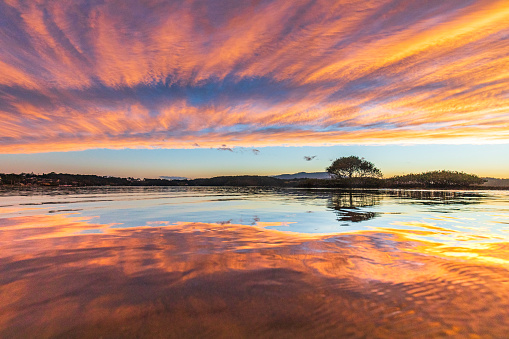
<point x="224" y="148"/>
<point x="183" y="74"/>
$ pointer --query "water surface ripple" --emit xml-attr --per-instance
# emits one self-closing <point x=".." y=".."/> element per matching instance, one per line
<point x="249" y="262"/>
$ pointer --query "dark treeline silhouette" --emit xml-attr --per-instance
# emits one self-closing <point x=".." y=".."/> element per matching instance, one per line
<point x="436" y="179"/>
<point x="433" y="180"/>
<point x="63" y="179"/>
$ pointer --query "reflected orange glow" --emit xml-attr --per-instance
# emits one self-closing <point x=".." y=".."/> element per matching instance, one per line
<point x="78" y="75"/>
<point x="191" y="279"/>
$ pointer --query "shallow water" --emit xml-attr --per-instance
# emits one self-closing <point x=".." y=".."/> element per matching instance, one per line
<point x="246" y="262"/>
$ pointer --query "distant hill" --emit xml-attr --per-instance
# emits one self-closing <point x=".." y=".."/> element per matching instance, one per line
<point x="303" y="175"/>
<point x="494" y="182"/>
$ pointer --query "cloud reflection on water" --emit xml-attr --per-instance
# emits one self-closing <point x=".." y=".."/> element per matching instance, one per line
<point x="192" y="279"/>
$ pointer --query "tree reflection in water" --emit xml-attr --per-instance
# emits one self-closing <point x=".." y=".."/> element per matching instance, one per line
<point x="431" y="197"/>
<point x="349" y="205"/>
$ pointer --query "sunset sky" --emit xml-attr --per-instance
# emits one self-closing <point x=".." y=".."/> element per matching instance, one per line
<point x="203" y="88"/>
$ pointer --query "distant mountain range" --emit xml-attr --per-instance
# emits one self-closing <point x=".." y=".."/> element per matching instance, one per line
<point x="303" y="175"/>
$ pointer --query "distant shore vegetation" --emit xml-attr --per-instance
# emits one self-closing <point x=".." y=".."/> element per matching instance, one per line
<point x="437" y="179"/>
<point x="428" y="180"/>
<point x="353" y="171"/>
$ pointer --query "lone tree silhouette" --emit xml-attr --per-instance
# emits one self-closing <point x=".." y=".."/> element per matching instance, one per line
<point x="353" y="167"/>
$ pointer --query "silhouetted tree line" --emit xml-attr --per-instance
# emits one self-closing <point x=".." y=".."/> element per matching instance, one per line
<point x="435" y="179"/>
<point x="63" y="179"/>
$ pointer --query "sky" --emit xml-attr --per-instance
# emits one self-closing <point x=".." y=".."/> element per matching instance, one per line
<point x="203" y="88"/>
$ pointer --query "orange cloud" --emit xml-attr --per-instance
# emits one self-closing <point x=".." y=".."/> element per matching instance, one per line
<point x="80" y="75"/>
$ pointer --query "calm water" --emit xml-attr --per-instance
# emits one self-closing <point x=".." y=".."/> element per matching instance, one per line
<point x="244" y="262"/>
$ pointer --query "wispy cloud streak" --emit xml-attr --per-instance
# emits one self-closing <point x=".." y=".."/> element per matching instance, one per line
<point x="95" y="74"/>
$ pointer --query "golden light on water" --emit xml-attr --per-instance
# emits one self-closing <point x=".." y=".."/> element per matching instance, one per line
<point x="195" y="278"/>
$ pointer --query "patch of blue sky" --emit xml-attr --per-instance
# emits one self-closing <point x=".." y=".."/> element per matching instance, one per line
<point x="91" y="231"/>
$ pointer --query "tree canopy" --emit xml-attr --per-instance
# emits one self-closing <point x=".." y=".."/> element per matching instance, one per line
<point x="352" y="167"/>
<point x="438" y="179"/>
